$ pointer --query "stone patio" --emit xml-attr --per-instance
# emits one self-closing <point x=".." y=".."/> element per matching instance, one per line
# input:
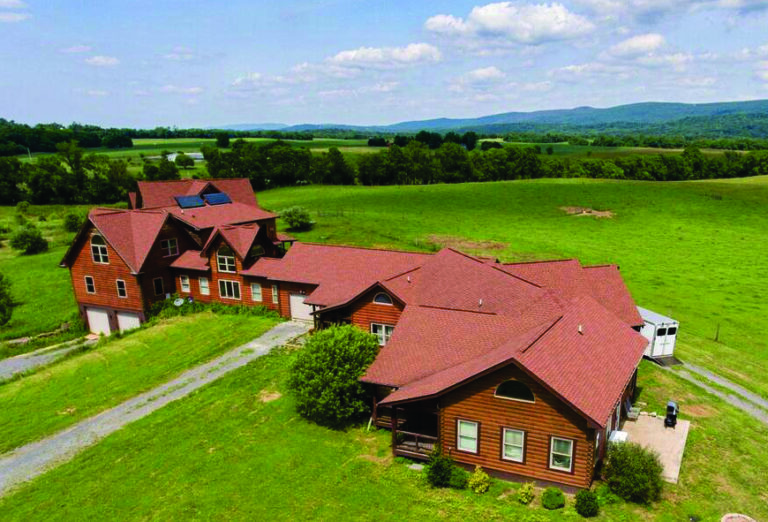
<point x="669" y="443"/>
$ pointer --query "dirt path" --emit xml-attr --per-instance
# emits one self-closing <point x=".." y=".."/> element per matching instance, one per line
<point x="34" y="459"/>
<point x="29" y="361"/>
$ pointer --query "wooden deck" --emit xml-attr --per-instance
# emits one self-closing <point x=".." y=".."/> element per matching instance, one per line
<point x="415" y="445"/>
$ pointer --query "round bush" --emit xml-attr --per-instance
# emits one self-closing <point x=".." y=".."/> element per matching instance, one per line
<point x="297" y="218"/>
<point x="633" y="472"/>
<point x="552" y="498"/>
<point x="324" y="378"/>
<point x="441" y="471"/>
<point x="72" y="222"/>
<point x="459" y="478"/>
<point x="29" y="240"/>
<point x="479" y="482"/>
<point x="526" y="493"/>
<point x="586" y="504"/>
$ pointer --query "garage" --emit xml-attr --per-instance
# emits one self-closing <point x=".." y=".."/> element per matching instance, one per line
<point x="128" y="321"/>
<point x="98" y="320"/>
<point x="299" y="310"/>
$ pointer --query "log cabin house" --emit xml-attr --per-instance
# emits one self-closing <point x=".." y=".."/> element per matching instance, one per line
<point x="523" y="368"/>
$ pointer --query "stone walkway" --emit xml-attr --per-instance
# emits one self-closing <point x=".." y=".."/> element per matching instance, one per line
<point x="29" y="361"/>
<point x="36" y="458"/>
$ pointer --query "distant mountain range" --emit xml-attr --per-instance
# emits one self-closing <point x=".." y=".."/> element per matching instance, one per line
<point x="650" y="114"/>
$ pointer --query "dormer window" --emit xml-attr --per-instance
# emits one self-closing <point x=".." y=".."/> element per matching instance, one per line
<point x="99" y="250"/>
<point x="225" y="258"/>
<point x="256" y="251"/>
<point x="382" y="299"/>
<point x="170" y="247"/>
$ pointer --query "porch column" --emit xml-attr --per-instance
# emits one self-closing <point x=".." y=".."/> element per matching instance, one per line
<point x="394" y="428"/>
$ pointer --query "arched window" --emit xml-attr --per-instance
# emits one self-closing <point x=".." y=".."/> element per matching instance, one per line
<point x="514" y="390"/>
<point x="225" y="258"/>
<point x="99" y="250"/>
<point x="382" y="298"/>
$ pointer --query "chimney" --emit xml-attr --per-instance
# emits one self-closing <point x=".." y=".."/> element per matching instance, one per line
<point x="581" y="330"/>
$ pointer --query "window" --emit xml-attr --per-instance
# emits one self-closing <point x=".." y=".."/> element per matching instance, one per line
<point x="256" y="292"/>
<point x="661" y="332"/>
<point x="90" y="285"/>
<point x="514" y="445"/>
<point x="170" y="247"/>
<point x="99" y="250"/>
<point x="226" y="260"/>
<point x="383" y="332"/>
<point x="514" y="390"/>
<point x="561" y="454"/>
<point x="671" y="331"/>
<point x="229" y="289"/>
<point x="256" y="251"/>
<point x="467" y="436"/>
<point x="157" y="284"/>
<point x="184" y="283"/>
<point x="382" y="298"/>
<point x="122" y="291"/>
<point x="274" y="294"/>
<point x="203" y="283"/>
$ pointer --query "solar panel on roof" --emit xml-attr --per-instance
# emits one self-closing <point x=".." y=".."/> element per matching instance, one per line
<point x="217" y="198"/>
<point x="189" y="201"/>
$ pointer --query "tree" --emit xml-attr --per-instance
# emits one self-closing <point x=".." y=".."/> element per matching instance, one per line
<point x="29" y="240"/>
<point x="297" y="218"/>
<point x="377" y="142"/>
<point x="12" y="174"/>
<point x="184" y="161"/>
<point x="469" y="140"/>
<point x="115" y="139"/>
<point x="222" y="140"/>
<point x="339" y="171"/>
<point x="325" y="376"/>
<point x="72" y="222"/>
<point x="6" y="301"/>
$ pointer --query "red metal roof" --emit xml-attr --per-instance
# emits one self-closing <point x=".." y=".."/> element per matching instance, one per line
<point x="240" y="238"/>
<point x="218" y="215"/>
<point x="161" y="193"/>
<point x="192" y="260"/>
<point x="131" y="233"/>
<point x="608" y="287"/>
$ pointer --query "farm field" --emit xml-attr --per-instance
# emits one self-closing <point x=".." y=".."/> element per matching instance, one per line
<point x="694" y="251"/>
<point x="87" y="383"/>
<point x="236" y="450"/>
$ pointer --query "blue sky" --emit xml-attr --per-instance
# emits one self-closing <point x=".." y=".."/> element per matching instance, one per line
<point x="202" y="63"/>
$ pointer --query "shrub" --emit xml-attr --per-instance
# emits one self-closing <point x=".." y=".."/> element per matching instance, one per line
<point x="42" y="218"/>
<point x="324" y="378"/>
<point x="72" y="222"/>
<point x="22" y="207"/>
<point x="479" y="482"/>
<point x="6" y="302"/>
<point x="552" y="498"/>
<point x="586" y="504"/>
<point x="297" y="218"/>
<point x="459" y="478"/>
<point x="440" y="470"/>
<point x="605" y="496"/>
<point x="526" y="493"/>
<point x="633" y="473"/>
<point x="29" y="240"/>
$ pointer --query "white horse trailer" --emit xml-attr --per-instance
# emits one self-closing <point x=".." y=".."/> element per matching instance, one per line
<point x="661" y="332"/>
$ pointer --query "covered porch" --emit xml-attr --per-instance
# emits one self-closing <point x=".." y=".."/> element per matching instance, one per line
<point x="415" y="428"/>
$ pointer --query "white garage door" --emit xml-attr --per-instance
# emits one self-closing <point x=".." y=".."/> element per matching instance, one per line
<point x="127" y="321"/>
<point x="298" y="309"/>
<point x="98" y="320"/>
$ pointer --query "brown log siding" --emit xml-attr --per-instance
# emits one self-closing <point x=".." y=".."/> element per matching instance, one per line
<point x="363" y="311"/>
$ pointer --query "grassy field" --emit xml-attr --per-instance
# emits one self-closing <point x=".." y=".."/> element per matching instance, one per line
<point x="236" y="450"/>
<point x="81" y="386"/>
<point x="695" y="251"/>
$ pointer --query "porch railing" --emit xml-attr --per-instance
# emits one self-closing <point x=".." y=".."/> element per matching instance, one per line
<point x="415" y="443"/>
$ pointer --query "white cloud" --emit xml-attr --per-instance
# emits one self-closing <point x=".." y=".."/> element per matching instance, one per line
<point x="96" y="93"/>
<point x="590" y="69"/>
<point x="649" y="10"/>
<point x="699" y="82"/>
<point x="175" y="89"/>
<point x="377" y="57"/>
<point x="12" y="4"/>
<point x="674" y="60"/>
<point x="13" y="17"/>
<point x="637" y="45"/>
<point x="762" y="71"/>
<point x="504" y="24"/>
<point x="485" y="74"/>
<point x="180" y="53"/>
<point x="102" y="61"/>
<point x="76" y="49"/>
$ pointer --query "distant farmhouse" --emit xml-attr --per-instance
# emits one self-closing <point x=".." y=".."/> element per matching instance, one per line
<point x="523" y="368"/>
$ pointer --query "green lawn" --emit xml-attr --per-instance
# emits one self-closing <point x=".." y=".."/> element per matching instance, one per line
<point x="85" y="384"/>
<point x="236" y="450"/>
<point x="697" y="251"/>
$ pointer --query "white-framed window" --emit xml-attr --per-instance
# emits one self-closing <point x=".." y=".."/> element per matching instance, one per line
<point x="184" y="283"/>
<point x="274" y="294"/>
<point x="256" y="292"/>
<point x="99" y="250"/>
<point x="90" y="285"/>
<point x="226" y="260"/>
<point x="561" y="454"/>
<point x="513" y="445"/>
<point x="170" y="247"/>
<point x="229" y="289"/>
<point x="467" y="435"/>
<point x="383" y="332"/>
<point x="122" y="291"/>
<point x="158" y="286"/>
<point x="382" y="299"/>
<point x="203" y="284"/>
